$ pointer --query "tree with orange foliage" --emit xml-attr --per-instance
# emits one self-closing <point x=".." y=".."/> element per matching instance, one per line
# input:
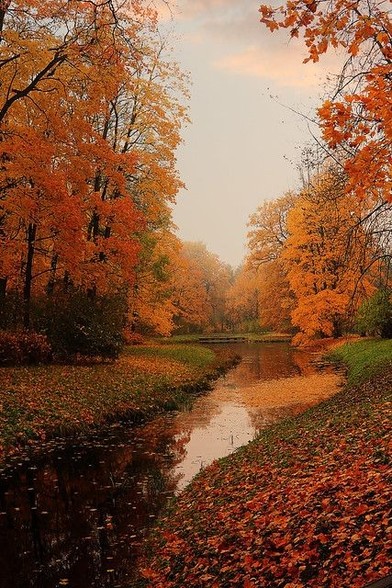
<point x="200" y="284"/>
<point x="357" y="119"/>
<point x="90" y="119"/>
<point x="151" y="307"/>
<point x="242" y="300"/>
<point x="190" y="296"/>
<point x="266" y="243"/>
<point x="325" y="254"/>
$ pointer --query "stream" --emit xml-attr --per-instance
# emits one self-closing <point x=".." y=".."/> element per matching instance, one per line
<point x="78" y="515"/>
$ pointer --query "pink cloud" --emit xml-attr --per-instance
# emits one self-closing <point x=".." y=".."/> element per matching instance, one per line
<point x="282" y="65"/>
<point x="194" y="8"/>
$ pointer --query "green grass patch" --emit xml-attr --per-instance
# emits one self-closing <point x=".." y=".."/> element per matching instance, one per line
<point x="192" y="355"/>
<point x="364" y="358"/>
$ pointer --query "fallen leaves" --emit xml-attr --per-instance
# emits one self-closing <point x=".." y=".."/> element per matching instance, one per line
<point x="322" y="519"/>
<point x="41" y="401"/>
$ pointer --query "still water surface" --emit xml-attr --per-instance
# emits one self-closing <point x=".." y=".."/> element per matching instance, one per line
<point x="77" y="516"/>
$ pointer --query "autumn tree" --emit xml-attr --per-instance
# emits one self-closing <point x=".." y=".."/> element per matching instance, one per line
<point x="324" y="262"/>
<point x="242" y="300"/>
<point x="266" y="243"/>
<point x="152" y="302"/>
<point x="356" y="120"/>
<point x="90" y="119"/>
<point x="200" y="287"/>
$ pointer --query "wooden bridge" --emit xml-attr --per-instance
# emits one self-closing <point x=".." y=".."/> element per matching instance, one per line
<point x="221" y="339"/>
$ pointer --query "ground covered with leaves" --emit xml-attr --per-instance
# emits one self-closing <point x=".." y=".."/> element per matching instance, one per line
<point x="43" y="401"/>
<point x="308" y="504"/>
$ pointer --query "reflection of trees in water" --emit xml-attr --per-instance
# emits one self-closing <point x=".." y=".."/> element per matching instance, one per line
<point x="265" y="362"/>
<point x="263" y="417"/>
<point x="303" y="360"/>
<point x="203" y="411"/>
<point x="271" y="361"/>
<point x="85" y="510"/>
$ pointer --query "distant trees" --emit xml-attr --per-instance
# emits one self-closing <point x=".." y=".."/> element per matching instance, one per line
<point x="200" y="284"/>
<point x="242" y="301"/>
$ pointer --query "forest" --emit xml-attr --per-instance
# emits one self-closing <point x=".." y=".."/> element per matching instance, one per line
<point x="91" y="114"/>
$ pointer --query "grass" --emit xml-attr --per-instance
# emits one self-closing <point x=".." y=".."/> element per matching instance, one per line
<point x="45" y="401"/>
<point x="305" y="505"/>
<point x="363" y="358"/>
<point x="192" y="355"/>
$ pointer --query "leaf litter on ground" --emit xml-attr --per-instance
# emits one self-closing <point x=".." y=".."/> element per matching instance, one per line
<point x="307" y="504"/>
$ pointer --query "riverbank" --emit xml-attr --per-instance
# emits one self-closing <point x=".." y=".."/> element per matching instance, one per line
<point x="43" y="402"/>
<point x="307" y="504"/>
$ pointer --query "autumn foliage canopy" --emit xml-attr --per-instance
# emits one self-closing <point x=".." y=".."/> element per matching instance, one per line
<point x="90" y="115"/>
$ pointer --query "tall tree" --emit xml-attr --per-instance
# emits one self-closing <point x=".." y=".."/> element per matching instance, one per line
<point x="324" y="262"/>
<point x="201" y="284"/>
<point x="242" y="300"/>
<point x="266" y="243"/>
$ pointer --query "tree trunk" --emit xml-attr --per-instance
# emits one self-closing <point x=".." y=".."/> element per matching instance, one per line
<point x="31" y="234"/>
<point x="52" y="278"/>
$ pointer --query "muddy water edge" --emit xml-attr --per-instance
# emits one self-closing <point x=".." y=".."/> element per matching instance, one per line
<point x="78" y="515"/>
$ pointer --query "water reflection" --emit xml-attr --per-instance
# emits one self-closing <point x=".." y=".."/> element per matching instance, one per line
<point x="78" y="516"/>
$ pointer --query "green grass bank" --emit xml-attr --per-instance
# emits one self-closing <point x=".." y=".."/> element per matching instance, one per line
<point x="43" y="402"/>
<point x="307" y="504"/>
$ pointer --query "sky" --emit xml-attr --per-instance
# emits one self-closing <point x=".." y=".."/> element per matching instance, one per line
<point x="244" y="143"/>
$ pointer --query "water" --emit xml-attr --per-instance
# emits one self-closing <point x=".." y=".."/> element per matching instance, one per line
<point x="78" y="515"/>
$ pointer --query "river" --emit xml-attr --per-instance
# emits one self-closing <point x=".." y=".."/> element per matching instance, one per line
<point x="78" y="515"/>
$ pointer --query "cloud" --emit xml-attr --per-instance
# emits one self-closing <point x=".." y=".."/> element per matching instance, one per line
<point x="222" y="21"/>
<point x="280" y="64"/>
<point x="200" y="8"/>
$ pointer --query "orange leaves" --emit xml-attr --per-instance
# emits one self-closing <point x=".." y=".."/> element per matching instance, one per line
<point x="359" y="121"/>
<point x="200" y="282"/>
<point x="89" y="144"/>
<point x="322" y="259"/>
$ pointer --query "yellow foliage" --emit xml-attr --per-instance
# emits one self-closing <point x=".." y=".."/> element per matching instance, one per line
<point x="324" y="254"/>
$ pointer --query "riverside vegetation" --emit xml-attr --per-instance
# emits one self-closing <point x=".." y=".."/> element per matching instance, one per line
<point x="39" y="402"/>
<point x="306" y="504"/>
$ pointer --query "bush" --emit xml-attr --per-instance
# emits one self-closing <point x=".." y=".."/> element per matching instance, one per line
<point x="23" y="347"/>
<point x="374" y="316"/>
<point x="132" y="338"/>
<point x="78" y="324"/>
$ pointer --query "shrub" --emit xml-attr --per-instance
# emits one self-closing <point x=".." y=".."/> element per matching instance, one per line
<point x="132" y="338"/>
<point x="374" y="316"/>
<point x="35" y="347"/>
<point x="78" y="324"/>
<point x="23" y="347"/>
